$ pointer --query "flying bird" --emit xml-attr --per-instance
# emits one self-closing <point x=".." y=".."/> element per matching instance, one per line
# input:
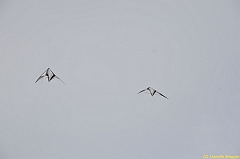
<point x="49" y="74"/>
<point x="152" y="91"/>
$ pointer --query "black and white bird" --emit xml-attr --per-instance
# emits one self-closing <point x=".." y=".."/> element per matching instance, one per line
<point x="152" y="92"/>
<point x="49" y="74"/>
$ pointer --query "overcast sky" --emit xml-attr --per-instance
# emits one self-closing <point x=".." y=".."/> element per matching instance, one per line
<point x="106" y="52"/>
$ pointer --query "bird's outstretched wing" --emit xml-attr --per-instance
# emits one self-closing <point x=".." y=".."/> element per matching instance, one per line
<point x="58" y="78"/>
<point x="42" y="76"/>
<point x="161" y="94"/>
<point x="142" y="91"/>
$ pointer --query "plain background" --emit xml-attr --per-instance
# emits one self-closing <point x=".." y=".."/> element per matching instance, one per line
<point x="106" y="52"/>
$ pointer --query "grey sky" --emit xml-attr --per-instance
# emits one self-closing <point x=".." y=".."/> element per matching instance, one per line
<point x="106" y="52"/>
